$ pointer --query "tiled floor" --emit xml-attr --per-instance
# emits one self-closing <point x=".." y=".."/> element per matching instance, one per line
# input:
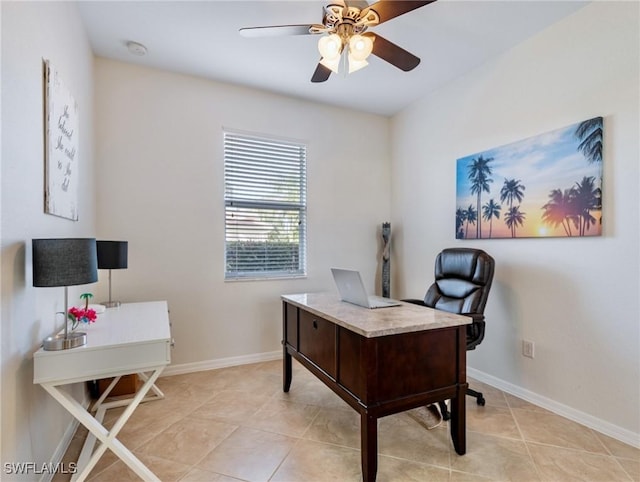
<point x="236" y="424"/>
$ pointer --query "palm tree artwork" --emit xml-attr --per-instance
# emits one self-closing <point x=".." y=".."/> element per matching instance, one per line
<point x="490" y="211"/>
<point x="551" y="186"/>
<point x="470" y="216"/>
<point x="479" y="176"/>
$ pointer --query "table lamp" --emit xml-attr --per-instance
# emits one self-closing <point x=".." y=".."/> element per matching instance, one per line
<point x="112" y="255"/>
<point x="64" y="262"/>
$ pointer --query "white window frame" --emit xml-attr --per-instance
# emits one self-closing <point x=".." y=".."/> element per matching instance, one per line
<point x="265" y="182"/>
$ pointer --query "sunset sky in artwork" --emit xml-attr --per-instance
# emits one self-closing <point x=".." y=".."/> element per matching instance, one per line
<point x="541" y="163"/>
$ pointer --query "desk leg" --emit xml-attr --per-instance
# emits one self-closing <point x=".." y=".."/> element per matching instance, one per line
<point x="459" y="421"/>
<point x="287" y="370"/>
<point x="108" y="438"/>
<point x="369" y="446"/>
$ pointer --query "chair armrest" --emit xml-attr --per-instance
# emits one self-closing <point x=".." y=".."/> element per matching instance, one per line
<point x="476" y="317"/>
<point x="475" y="333"/>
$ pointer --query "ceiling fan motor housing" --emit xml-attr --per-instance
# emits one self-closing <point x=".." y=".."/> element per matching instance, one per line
<point x="337" y="16"/>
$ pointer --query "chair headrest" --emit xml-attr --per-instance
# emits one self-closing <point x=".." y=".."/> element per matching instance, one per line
<point x="469" y="264"/>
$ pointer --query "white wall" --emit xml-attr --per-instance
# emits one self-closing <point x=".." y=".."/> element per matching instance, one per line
<point x="577" y="299"/>
<point x="33" y="425"/>
<point x="160" y="171"/>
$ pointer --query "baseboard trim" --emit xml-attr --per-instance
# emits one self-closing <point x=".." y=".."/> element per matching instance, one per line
<point x="606" y="428"/>
<point x="221" y="363"/>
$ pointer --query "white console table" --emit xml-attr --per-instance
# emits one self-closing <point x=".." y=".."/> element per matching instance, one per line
<point x="134" y="338"/>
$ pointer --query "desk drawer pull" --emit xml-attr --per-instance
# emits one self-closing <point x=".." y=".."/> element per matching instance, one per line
<point x="315" y="324"/>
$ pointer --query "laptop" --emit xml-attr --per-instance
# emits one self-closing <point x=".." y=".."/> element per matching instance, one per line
<point x="352" y="290"/>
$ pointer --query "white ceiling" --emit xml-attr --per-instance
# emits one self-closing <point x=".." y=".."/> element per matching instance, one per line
<point x="201" y="38"/>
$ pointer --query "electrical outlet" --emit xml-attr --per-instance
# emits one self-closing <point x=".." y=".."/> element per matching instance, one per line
<point x="528" y="348"/>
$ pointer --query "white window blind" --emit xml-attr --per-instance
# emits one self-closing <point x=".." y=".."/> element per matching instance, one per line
<point x="265" y="207"/>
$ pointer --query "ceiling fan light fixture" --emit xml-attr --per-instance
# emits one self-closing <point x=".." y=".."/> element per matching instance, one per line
<point x="360" y="47"/>
<point x="332" y="64"/>
<point x="355" y="64"/>
<point x="330" y="46"/>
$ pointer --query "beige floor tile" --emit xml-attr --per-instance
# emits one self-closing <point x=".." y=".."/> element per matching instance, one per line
<point x="311" y="435"/>
<point x="231" y="406"/>
<point x="219" y="379"/>
<point x="199" y="475"/>
<point x="631" y="467"/>
<point x="402" y="436"/>
<point x="210" y="379"/>
<point x="315" y="462"/>
<point x="311" y="391"/>
<point x="492" y="420"/>
<point x="249" y="378"/>
<point x="391" y="469"/>
<point x="273" y="367"/>
<point x="619" y="449"/>
<point x="464" y="477"/>
<point x="165" y="470"/>
<point x="336" y="426"/>
<point x="496" y="458"/>
<point x="177" y="388"/>
<point x="515" y="402"/>
<point x="549" y="428"/>
<point x="188" y="440"/>
<point x="283" y="417"/>
<point x="136" y="432"/>
<point x="148" y="420"/>
<point x="248" y="454"/>
<point x="565" y="465"/>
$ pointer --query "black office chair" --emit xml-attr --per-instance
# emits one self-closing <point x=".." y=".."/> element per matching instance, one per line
<point x="463" y="279"/>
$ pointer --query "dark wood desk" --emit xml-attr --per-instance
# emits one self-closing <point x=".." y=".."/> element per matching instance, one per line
<point x="380" y="362"/>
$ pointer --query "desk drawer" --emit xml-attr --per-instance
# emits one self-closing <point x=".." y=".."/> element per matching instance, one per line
<point x="318" y="342"/>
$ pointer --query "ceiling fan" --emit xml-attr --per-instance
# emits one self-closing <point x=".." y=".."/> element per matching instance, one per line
<point x="345" y="38"/>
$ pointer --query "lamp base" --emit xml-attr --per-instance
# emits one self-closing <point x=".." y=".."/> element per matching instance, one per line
<point x="110" y="304"/>
<point x="60" y="342"/>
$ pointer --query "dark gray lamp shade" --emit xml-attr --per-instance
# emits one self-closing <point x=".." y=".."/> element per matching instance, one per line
<point x="112" y="254"/>
<point x="64" y="262"/>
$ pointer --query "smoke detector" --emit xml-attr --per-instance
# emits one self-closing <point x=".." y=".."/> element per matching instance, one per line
<point x="136" y="48"/>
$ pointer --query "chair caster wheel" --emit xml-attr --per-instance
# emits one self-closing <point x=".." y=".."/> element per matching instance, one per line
<point x="481" y="401"/>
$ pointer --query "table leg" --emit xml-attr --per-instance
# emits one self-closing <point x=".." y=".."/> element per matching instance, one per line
<point x="287" y="370"/>
<point x="108" y="438"/>
<point x="459" y="422"/>
<point x="369" y="446"/>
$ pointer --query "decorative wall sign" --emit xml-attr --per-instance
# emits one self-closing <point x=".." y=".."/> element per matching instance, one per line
<point x="61" y="148"/>
<point x="544" y="186"/>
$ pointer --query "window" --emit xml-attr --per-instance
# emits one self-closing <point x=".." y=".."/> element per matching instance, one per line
<point x="265" y="207"/>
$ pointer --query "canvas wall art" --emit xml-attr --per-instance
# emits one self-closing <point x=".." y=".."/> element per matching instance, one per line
<point x="549" y="185"/>
<point x="61" y="147"/>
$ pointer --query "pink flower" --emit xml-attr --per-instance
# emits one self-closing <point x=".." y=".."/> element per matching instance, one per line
<point x="84" y="315"/>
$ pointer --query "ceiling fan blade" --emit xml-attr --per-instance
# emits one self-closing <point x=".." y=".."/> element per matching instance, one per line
<point x="361" y="4"/>
<point x="393" y="54"/>
<point x="321" y="74"/>
<point x="388" y="9"/>
<point x="278" y="30"/>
